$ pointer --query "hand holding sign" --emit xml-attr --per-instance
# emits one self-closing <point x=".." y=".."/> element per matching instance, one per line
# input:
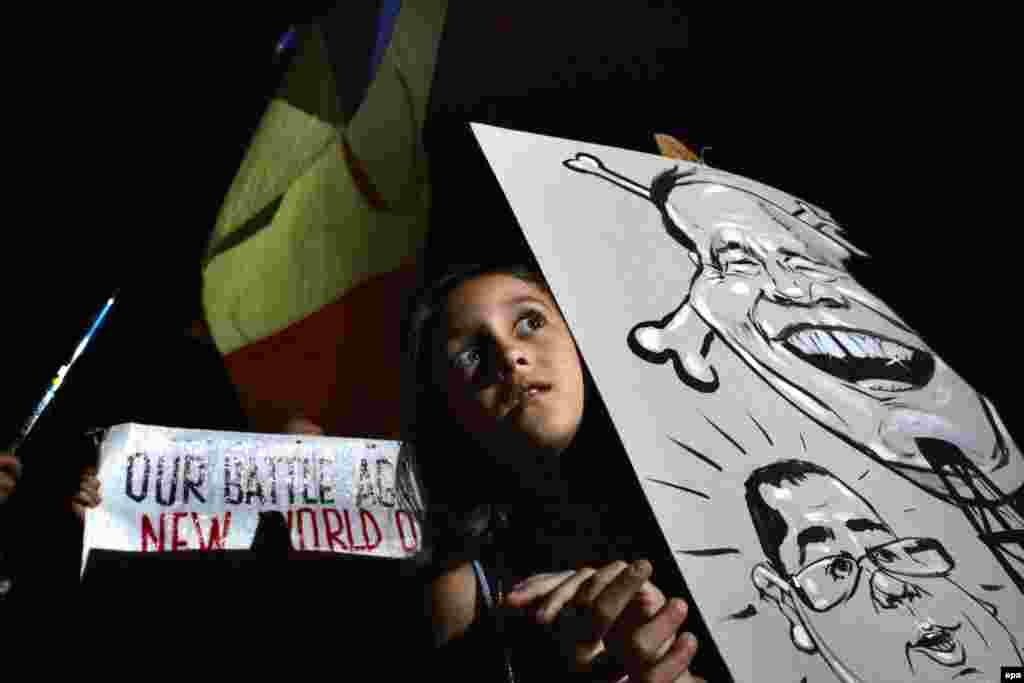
<point x="300" y="424"/>
<point x="10" y="470"/>
<point x="88" y="495"/>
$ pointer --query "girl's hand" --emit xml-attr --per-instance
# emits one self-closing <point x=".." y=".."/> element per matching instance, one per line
<point x="88" y="495"/>
<point x="619" y="615"/>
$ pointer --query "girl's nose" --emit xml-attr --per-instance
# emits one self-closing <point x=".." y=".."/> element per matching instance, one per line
<point x="513" y="358"/>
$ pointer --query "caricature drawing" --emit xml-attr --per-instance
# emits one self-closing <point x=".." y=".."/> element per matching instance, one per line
<point x="845" y="583"/>
<point x="771" y="285"/>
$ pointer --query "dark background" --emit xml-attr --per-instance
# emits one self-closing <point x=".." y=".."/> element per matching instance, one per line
<point x="903" y="126"/>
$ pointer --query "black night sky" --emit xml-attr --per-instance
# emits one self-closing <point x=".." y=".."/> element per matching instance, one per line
<point x="899" y="125"/>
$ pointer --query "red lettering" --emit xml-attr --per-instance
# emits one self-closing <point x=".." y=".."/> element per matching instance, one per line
<point x="316" y="529"/>
<point x="363" y="514"/>
<point x="199" y="530"/>
<point x="149" y="533"/>
<point x="291" y="529"/>
<point x="176" y="542"/>
<point x="348" y="532"/>
<point x="331" y="533"/>
<point x="401" y="532"/>
<point x="217" y="540"/>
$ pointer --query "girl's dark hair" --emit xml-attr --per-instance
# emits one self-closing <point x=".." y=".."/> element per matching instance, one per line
<point x="456" y="521"/>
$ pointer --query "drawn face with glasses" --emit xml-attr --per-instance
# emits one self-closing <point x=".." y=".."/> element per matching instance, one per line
<point x="827" y="583"/>
<point x="873" y="606"/>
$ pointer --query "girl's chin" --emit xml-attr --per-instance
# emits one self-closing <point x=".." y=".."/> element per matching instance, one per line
<point x="545" y="439"/>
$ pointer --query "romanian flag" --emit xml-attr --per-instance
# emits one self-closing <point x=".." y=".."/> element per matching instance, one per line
<point x="314" y="251"/>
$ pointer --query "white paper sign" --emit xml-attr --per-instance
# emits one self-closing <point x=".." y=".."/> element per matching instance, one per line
<point x="843" y="505"/>
<point x="167" y="489"/>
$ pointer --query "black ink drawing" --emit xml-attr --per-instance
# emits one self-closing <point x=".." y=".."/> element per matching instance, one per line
<point x="845" y="583"/>
<point x="710" y="552"/>
<point x="697" y="454"/>
<point x="680" y="487"/>
<point x="726" y="436"/>
<point x="745" y="613"/>
<point x="771" y="285"/>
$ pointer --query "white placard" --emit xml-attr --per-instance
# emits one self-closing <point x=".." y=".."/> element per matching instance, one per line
<point x="168" y="489"/>
<point x="842" y="504"/>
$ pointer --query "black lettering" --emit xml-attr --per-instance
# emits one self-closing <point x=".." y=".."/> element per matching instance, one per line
<point x="194" y="465"/>
<point x="232" y="482"/>
<point x="141" y="496"/>
<point x="366" y="493"/>
<point x="272" y="464"/>
<point x="326" y="484"/>
<point x="291" y="480"/>
<point x="172" y="497"/>
<point x="308" y="481"/>
<point x="385" y="482"/>
<point x="253" y="485"/>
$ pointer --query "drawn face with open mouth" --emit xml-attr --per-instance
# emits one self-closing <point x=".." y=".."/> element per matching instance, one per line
<point x="770" y="282"/>
<point x="831" y="348"/>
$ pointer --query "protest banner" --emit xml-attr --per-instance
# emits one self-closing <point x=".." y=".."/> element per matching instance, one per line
<point x="168" y="489"/>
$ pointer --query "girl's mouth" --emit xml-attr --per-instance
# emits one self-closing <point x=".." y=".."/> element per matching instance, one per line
<point x="520" y="395"/>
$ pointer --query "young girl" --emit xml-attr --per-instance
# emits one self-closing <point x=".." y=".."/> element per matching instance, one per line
<point x="511" y="446"/>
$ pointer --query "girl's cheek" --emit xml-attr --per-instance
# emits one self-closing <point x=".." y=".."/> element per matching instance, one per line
<point x="470" y="408"/>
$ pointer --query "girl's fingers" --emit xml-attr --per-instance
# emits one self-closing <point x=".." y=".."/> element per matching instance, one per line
<point x="553" y="604"/>
<point x="647" y="602"/>
<point x="673" y="667"/>
<point x="645" y="606"/>
<point x="607" y="596"/>
<point x="688" y="677"/>
<point x="599" y="581"/>
<point x="649" y="643"/>
<point x="536" y="586"/>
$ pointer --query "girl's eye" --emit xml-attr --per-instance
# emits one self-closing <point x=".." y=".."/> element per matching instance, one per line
<point x="530" y="324"/>
<point x="466" y="360"/>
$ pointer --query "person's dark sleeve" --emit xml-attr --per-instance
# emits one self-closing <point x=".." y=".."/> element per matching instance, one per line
<point x="475" y="656"/>
<point x="42" y="537"/>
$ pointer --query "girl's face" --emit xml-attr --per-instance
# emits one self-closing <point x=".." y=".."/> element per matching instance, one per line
<point x="509" y="367"/>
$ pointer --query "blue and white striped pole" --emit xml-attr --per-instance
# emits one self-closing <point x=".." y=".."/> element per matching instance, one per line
<point x="62" y="372"/>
